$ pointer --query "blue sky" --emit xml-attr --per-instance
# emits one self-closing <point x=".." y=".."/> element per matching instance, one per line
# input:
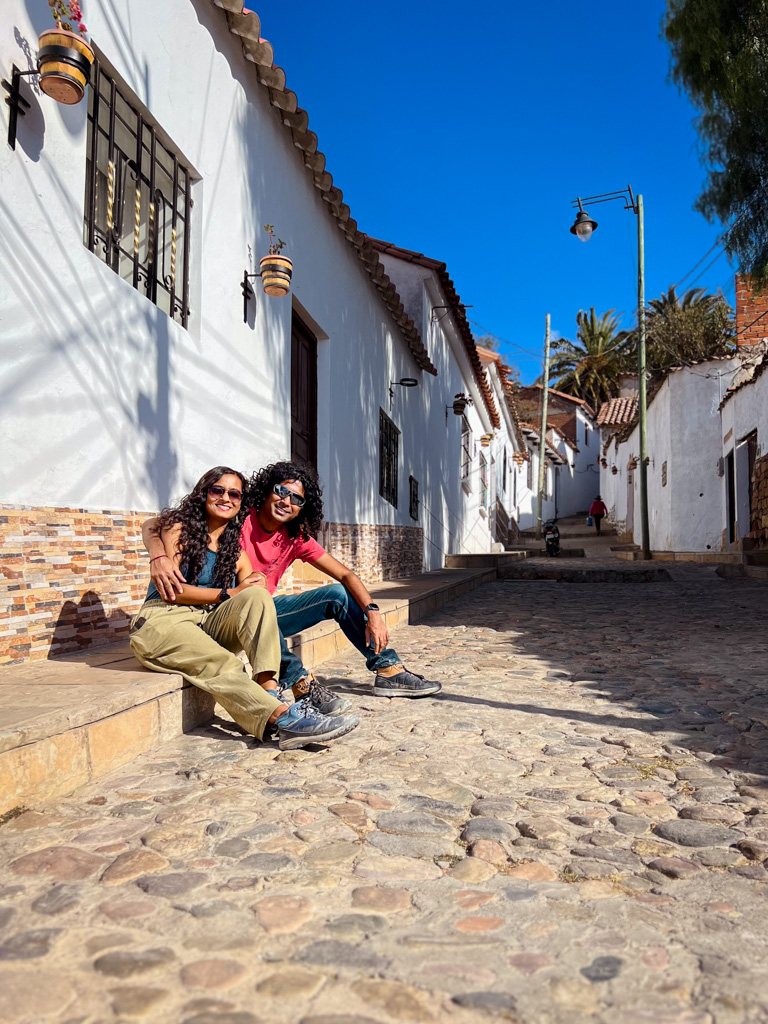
<point x="465" y="132"/>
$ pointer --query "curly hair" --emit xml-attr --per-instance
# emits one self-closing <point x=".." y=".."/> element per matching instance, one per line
<point x="195" y="535"/>
<point x="307" y="523"/>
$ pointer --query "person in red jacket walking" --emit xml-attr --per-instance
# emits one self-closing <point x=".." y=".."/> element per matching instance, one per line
<point x="597" y="510"/>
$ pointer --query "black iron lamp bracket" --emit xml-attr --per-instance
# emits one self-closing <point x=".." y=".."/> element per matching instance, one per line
<point x="18" y="105"/>
<point x="624" y="194"/>
<point x="436" y="319"/>
<point x="248" y="292"/>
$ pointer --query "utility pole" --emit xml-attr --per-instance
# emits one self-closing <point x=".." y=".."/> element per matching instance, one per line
<point x="543" y="437"/>
<point x="642" y="403"/>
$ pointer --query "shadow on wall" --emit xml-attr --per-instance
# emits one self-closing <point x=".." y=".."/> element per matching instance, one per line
<point x="85" y="624"/>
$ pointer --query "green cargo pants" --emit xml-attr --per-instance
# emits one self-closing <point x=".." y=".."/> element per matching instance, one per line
<point x="200" y="644"/>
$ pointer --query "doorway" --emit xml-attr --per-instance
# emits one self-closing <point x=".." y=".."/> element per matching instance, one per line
<point x="730" y="497"/>
<point x="303" y="394"/>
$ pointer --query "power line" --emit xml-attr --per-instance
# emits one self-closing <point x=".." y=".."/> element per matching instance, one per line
<point x="512" y="344"/>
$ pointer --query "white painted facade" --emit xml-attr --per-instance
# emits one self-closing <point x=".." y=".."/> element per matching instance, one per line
<point x="686" y="494"/>
<point x="744" y="413"/>
<point x="108" y="403"/>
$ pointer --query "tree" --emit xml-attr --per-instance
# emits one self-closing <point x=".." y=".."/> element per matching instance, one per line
<point x="590" y="367"/>
<point x="720" y="57"/>
<point x="689" y="329"/>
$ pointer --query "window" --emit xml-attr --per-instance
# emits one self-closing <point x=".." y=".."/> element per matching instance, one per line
<point x="586" y="436"/>
<point x="466" y="448"/>
<point x="483" y="481"/>
<point x="504" y="473"/>
<point x="137" y="199"/>
<point x="413" y="500"/>
<point x="389" y="443"/>
<point x="529" y="478"/>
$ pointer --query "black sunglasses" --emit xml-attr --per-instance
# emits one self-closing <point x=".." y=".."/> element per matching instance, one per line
<point x="294" y="498"/>
<point x="219" y="492"/>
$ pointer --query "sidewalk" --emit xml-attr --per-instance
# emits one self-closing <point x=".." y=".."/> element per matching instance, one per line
<point x="72" y="720"/>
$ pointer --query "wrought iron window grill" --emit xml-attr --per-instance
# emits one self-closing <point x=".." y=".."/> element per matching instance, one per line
<point x="389" y="444"/>
<point x="413" y="500"/>
<point x="466" y="448"/>
<point x="137" y="199"/>
<point x="483" y="481"/>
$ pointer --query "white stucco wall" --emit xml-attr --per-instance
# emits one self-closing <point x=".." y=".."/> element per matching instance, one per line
<point x="684" y="431"/>
<point x="743" y="412"/>
<point x="110" y="404"/>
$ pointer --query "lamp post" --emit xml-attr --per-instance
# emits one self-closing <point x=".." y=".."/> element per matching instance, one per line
<point x="583" y="227"/>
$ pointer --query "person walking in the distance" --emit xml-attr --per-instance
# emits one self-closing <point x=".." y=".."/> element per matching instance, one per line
<point x="597" y="510"/>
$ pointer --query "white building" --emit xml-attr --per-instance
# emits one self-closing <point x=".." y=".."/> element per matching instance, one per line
<point x="686" y="494"/>
<point x="131" y="360"/>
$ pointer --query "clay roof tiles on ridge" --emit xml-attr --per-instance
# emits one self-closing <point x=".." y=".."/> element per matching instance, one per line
<point x="454" y="299"/>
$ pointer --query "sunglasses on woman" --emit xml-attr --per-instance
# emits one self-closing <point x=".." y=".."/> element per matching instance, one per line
<point x="218" y="492"/>
<point x="294" y="498"/>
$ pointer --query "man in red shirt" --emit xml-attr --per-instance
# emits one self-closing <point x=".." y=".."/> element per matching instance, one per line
<point x="597" y="510"/>
<point x="287" y="510"/>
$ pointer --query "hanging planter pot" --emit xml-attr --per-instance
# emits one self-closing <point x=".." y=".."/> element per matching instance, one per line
<point x="64" y="62"/>
<point x="485" y="440"/>
<point x="460" y="403"/>
<point x="276" y="273"/>
<point x="614" y="470"/>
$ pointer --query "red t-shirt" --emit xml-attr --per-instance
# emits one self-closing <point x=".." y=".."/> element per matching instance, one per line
<point x="597" y="508"/>
<point x="273" y="553"/>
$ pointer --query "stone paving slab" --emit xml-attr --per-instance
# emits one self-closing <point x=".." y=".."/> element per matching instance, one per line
<point x="574" y="832"/>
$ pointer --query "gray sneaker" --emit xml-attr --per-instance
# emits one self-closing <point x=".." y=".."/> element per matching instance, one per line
<point x="405" y="684"/>
<point x="301" y="724"/>
<point x="322" y="699"/>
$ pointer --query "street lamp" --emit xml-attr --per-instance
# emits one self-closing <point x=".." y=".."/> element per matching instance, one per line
<point x="583" y="227"/>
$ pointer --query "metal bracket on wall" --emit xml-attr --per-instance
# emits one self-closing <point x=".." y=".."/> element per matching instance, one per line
<point x="16" y="102"/>
<point x="436" y="319"/>
<point x="248" y="292"/>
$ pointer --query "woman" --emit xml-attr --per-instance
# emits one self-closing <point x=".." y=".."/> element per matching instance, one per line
<point x="597" y="510"/>
<point x="221" y="609"/>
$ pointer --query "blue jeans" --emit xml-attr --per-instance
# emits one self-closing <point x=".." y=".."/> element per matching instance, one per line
<point x="300" y="611"/>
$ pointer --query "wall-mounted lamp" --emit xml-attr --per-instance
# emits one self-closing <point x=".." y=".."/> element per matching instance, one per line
<point x="64" y="62"/>
<point x="404" y="382"/>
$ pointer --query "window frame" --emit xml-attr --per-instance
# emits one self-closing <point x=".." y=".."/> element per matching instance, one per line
<point x="466" y="448"/>
<point x="389" y="453"/>
<point x="483" y="481"/>
<point x="110" y="227"/>
<point x="413" y="498"/>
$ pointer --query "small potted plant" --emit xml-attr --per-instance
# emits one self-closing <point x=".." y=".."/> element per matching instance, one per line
<point x="65" y="56"/>
<point x="460" y="403"/>
<point x="275" y="269"/>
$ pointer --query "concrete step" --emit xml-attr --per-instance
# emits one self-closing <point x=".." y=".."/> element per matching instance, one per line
<point x="632" y="554"/>
<point x="70" y="720"/>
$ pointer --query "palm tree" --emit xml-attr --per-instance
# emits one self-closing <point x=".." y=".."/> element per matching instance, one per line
<point x="590" y="367"/>
<point x="695" y="327"/>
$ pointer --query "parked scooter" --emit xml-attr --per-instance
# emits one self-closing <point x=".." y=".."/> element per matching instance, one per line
<point x="552" y="538"/>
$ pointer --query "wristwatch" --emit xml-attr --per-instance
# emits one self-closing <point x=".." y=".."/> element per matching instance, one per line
<point x="371" y="608"/>
<point x="224" y="595"/>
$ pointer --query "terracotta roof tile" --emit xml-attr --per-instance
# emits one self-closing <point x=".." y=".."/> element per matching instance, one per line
<point x="246" y="24"/>
<point x="617" y="411"/>
<point x="449" y="290"/>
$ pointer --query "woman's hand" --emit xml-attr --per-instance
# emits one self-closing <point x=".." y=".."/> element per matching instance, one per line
<point x="254" y="579"/>
<point x="166" y="576"/>
<point x="376" y="632"/>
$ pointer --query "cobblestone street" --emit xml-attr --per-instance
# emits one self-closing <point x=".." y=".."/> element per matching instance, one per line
<point x="575" y="830"/>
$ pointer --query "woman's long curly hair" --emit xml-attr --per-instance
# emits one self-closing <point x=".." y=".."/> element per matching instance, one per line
<point x="307" y="523"/>
<point x="195" y="535"/>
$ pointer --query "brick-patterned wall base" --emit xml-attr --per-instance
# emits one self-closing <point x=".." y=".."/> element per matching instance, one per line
<point x="759" y="510"/>
<point x="376" y="553"/>
<point x="71" y="578"/>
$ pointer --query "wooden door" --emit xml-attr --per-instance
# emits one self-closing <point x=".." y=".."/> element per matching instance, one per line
<point x="303" y="394"/>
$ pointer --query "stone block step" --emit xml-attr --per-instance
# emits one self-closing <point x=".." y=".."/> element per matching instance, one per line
<point x="67" y="721"/>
